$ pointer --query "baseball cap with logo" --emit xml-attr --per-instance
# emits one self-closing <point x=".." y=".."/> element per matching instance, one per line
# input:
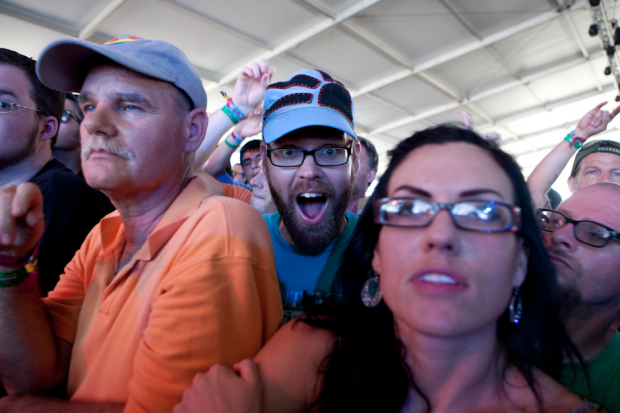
<point x="63" y="65"/>
<point x="308" y="98"/>
<point x="593" y="147"/>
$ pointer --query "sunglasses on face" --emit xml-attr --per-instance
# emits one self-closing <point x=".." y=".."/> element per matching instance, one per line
<point x="67" y="114"/>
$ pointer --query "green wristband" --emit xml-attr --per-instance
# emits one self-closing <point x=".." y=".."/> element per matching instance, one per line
<point x="228" y="113"/>
<point x="230" y="145"/>
<point x="13" y="278"/>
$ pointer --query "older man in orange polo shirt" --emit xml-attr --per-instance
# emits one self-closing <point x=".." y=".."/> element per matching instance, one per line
<point x="171" y="283"/>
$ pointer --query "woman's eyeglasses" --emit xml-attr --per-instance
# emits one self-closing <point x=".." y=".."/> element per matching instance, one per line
<point x="481" y="216"/>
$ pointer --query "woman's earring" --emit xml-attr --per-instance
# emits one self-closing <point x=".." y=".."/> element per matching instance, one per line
<point x="515" y="309"/>
<point x="371" y="292"/>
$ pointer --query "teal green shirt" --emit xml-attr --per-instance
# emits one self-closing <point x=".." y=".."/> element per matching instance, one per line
<point x="298" y="272"/>
<point x="604" y="372"/>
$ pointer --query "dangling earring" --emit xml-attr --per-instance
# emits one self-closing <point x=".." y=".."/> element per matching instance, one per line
<point x="515" y="309"/>
<point x="371" y="292"/>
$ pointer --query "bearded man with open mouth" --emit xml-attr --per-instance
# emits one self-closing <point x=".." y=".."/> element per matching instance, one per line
<point x="310" y="154"/>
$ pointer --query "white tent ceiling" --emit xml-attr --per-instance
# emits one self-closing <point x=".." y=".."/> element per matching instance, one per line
<point x="526" y="69"/>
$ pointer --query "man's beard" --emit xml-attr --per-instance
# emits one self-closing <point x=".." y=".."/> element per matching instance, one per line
<point x="569" y="292"/>
<point x="313" y="240"/>
<point x="27" y="151"/>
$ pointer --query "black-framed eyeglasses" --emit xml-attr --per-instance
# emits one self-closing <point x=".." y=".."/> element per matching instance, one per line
<point x="481" y="216"/>
<point x="327" y="156"/>
<point x="588" y="232"/>
<point x="8" y="107"/>
<point x="67" y="114"/>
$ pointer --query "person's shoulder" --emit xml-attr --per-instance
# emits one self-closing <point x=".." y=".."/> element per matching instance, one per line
<point x="230" y="214"/>
<point x="556" y="398"/>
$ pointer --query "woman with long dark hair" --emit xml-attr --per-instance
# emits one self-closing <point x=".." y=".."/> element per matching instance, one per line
<point x="445" y="301"/>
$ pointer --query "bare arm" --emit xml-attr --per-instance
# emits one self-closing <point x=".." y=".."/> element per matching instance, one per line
<point x="31" y="357"/>
<point x="40" y="404"/>
<point x="548" y="170"/>
<point x="285" y="377"/>
<point x="220" y="159"/>
<point x="248" y="96"/>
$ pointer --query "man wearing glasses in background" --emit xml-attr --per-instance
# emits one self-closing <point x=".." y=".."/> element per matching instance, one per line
<point x="67" y="146"/>
<point x="584" y="246"/>
<point x="30" y="114"/>
<point x="310" y="156"/>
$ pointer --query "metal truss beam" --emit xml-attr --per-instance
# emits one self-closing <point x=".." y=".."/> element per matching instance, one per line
<point x="91" y="27"/>
<point x="463" y="50"/>
<point x="305" y="35"/>
<point x="487" y="93"/>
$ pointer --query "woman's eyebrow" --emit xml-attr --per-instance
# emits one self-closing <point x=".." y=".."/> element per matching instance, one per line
<point x="413" y="190"/>
<point x="465" y="194"/>
<point x="480" y="191"/>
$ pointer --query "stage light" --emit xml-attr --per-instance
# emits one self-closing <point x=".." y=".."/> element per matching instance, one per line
<point x="607" y="71"/>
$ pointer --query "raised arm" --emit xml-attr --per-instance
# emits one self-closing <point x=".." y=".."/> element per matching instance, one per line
<point x="548" y="170"/>
<point x="31" y="357"/>
<point x="220" y="159"/>
<point x="248" y="96"/>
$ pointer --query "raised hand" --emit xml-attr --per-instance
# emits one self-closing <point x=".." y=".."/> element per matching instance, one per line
<point x="250" y="126"/>
<point x="222" y="390"/>
<point x="21" y="219"/>
<point x="251" y="84"/>
<point x="595" y="121"/>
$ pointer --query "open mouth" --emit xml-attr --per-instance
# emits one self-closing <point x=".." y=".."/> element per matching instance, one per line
<point x="438" y="279"/>
<point x="312" y="206"/>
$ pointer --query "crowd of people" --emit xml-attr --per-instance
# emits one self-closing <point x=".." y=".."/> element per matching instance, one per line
<point x="141" y="272"/>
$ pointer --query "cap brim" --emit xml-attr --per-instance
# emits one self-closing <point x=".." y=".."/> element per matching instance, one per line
<point x="302" y="117"/>
<point x="63" y="65"/>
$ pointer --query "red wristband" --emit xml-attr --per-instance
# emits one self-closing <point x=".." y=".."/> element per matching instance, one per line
<point x="13" y="262"/>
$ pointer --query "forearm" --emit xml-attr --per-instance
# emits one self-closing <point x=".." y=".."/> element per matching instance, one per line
<point x="219" y="160"/>
<point x="36" y="404"/>
<point x="547" y="171"/>
<point x="28" y="351"/>
<point x="219" y="124"/>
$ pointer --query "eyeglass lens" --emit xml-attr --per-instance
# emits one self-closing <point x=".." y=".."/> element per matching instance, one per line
<point x="323" y="156"/>
<point x="485" y="216"/>
<point x="588" y="232"/>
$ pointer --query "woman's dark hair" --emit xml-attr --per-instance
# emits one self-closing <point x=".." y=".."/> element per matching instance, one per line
<point x="366" y="371"/>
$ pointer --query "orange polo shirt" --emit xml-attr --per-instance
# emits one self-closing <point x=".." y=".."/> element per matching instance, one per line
<point x="237" y="192"/>
<point x="202" y="290"/>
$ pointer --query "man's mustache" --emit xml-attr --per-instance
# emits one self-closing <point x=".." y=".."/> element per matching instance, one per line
<point x="104" y="145"/>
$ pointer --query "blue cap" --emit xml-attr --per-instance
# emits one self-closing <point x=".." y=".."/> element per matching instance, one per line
<point x="308" y="98"/>
<point x="63" y="65"/>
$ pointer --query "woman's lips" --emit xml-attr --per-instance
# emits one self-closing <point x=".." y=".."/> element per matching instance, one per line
<point x="438" y="281"/>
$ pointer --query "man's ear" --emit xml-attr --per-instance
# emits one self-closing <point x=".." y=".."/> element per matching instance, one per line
<point x="371" y="176"/>
<point x="263" y="150"/>
<point x="358" y="149"/>
<point x="571" y="184"/>
<point x="196" y="123"/>
<point x="50" y="128"/>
